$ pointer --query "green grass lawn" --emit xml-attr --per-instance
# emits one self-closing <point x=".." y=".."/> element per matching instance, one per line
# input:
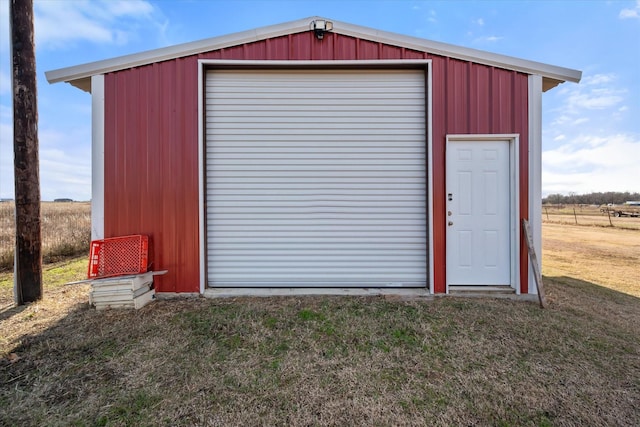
<point x="321" y="360"/>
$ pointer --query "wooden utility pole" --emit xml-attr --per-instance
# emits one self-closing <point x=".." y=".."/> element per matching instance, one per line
<point x="28" y="255"/>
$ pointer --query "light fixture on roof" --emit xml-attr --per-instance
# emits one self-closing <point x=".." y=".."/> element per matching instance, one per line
<point x="320" y="26"/>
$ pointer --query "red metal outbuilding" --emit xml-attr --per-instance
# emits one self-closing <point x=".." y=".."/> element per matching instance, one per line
<point x="150" y="144"/>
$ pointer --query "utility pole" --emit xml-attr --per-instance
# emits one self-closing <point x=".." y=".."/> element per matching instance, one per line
<point x="28" y="255"/>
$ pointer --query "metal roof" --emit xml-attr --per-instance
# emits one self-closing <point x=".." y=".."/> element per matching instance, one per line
<point x="80" y="75"/>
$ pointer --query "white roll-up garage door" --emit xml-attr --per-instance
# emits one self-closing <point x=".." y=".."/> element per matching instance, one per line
<point x="316" y="178"/>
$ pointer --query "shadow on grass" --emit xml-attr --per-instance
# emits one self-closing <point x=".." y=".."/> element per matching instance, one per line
<point x="591" y="289"/>
<point x="10" y="310"/>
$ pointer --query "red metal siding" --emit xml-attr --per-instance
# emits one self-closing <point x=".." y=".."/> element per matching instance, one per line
<point x="151" y="155"/>
<point x="151" y="165"/>
<point x="475" y="99"/>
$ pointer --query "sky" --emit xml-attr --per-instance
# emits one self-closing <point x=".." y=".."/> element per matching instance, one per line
<point x="591" y="130"/>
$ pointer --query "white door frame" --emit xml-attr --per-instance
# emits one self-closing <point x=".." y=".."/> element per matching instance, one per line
<point x="204" y="63"/>
<point x="514" y="197"/>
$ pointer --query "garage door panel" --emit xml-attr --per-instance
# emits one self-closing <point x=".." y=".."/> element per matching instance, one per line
<point x="315" y="178"/>
<point x="315" y="255"/>
<point x="317" y="211"/>
<point x="294" y="248"/>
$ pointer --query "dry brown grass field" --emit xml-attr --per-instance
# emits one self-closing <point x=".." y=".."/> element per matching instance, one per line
<point x="337" y="360"/>
<point x="609" y="257"/>
<point x="66" y="231"/>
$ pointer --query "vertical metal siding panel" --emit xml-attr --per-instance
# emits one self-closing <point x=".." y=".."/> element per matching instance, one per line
<point x="257" y="50"/>
<point x="165" y="122"/>
<point x="238" y="52"/>
<point x="136" y="168"/>
<point x="171" y="140"/>
<point x="153" y="223"/>
<point x="502" y="102"/>
<point x="300" y="46"/>
<point x="521" y="106"/>
<point x="278" y="48"/>
<point x="322" y="49"/>
<point x="479" y="99"/>
<point x="439" y="131"/>
<point x="120" y="146"/>
<point x="110" y="152"/>
<point x="413" y="54"/>
<point x="344" y="47"/>
<point x="457" y="96"/>
<point x="391" y="52"/>
<point x="216" y="54"/>
<point x="368" y="50"/>
<point x="189" y="195"/>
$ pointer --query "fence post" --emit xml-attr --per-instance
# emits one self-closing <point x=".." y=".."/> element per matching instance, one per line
<point x="575" y="216"/>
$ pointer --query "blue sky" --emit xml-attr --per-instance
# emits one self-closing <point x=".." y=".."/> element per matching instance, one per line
<point x="591" y="130"/>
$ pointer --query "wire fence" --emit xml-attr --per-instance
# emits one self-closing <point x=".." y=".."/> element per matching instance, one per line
<point x="66" y="231"/>
<point x="588" y="216"/>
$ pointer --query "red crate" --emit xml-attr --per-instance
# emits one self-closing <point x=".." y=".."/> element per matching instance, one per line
<point x="118" y="256"/>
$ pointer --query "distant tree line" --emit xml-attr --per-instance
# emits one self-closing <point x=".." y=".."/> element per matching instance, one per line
<point x="590" y="199"/>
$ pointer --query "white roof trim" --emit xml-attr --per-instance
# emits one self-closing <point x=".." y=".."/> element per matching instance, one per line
<point x="78" y="74"/>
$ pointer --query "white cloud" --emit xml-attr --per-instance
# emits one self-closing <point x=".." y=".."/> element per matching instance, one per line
<point x="432" y="16"/>
<point x="479" y="21"/>
<point x="6" y="154"/>
<point x="595" y="99"/>
<point x="592" y="163"/>
<point x="108" y="22"/>
<point x="560" y="138"/>
<point x="631" y="13"/>
<point x="487" y="39"/>
<point x="4" y="27"/>
<point x="56" y="179"/>
<point x="594" y="93"/>
<point x="65" y="163"/>
<point x="128" y="7"/>
<point x="598" y="79"/>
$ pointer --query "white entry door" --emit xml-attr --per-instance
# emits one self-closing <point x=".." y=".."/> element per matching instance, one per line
<point x="478" y="213"/>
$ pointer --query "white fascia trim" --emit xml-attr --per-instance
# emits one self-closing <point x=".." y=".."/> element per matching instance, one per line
<point x="429" y="116"/>
<point x="203" y="63"/>
<point x="177" y="51"/>
<point x="97" y="157"/>
<point x="460" y="52"/>
<point x="311" y="63"/>
<point x="514" y="185"/>
<point x="535" y="171"/>
<point x="201" y="189"/>
<point x="128" y="61"/>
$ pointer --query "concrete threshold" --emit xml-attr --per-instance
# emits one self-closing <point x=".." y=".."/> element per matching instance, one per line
<point x="400" y="293"/>
<point x="388" y="293"/>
